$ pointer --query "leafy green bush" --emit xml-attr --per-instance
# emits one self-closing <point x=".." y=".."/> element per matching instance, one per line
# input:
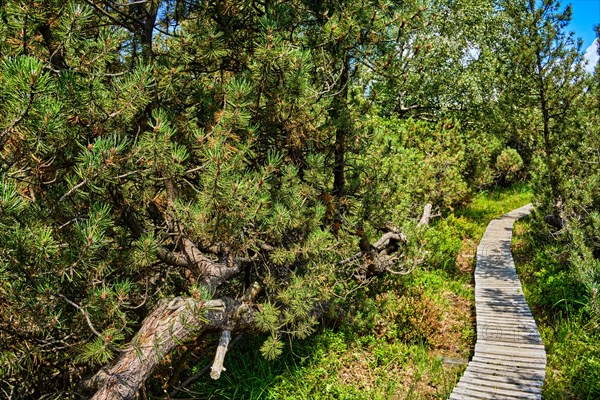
<point x="509" y="164"/>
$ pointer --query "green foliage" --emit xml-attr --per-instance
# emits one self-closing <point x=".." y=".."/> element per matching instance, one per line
<point x="260" y="135"/>
<point x="508" y="164"/>
<point x="408" y="163"/>
<point x="567" y="317"/>
<point x="387" y="340"/>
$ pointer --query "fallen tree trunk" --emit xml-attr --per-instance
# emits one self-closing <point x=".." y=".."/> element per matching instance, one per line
<point x="170" y="324"/>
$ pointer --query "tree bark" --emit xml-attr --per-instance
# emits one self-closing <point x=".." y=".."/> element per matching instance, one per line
<point x="170" y="324"/>
<point x="56" y="57"/>
<point x="341" y="130"/>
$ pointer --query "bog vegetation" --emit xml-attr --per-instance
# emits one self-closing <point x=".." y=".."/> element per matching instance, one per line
<point x="309" y="176"/>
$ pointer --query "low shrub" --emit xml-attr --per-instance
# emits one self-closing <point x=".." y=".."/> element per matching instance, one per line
<point x="509" y="165"/>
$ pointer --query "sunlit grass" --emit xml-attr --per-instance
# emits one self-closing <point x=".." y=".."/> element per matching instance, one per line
<point x="571" y="338"/>
<point x="488" y="205"/>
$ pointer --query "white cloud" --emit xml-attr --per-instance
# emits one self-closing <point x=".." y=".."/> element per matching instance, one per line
<point x="591" y="55"/>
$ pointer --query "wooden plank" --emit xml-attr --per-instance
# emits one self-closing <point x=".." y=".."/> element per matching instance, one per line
<point x="503" y="318"/>
<point x="486" y="352"/>
<point x="507" y="317"/>
<point x="503" y="376"/>
<point x="503" y="363"/>
<point x="456" y="396"/>
<point x="519" y="303"/>
<point x="486" y="392"/>
<point x="489" y="330"/>
<point x="507" y="337"/>
<point x="507" y="313"/>
<point x="502" y="309"/>
<point x="507" y="326"/>
<point x="497" y="283"/>
<point x="500" y="320"/>
<point x="507" y="371"/>
<point x="467" y="393"/>
<point x="538" y="362"/>
<point x="527" y="346"/>
<point x="506" y="350"/>
<point x="492" y="320"/>
<point x="479" y="379"/>
<point x="491" y="292"/>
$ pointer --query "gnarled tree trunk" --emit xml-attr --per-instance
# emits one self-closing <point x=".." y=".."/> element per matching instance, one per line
<point x="170" y="324"/>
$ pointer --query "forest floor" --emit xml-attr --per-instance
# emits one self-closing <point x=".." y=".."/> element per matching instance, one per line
<point x="409" y="337"/>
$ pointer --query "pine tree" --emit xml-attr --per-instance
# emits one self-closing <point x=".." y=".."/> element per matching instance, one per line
<point x="165" y="169"/>
<point x="554" y="101"/>
<point x="545" y="78"/>
<point x="170" y="168"/>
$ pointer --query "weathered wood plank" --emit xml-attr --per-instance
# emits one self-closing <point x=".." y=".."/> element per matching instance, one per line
<point x="508" y="314"/>
<point x="509" y="351"/>
<point x="508" y="337"/>
<point x="500" y="363"/>
<point x="485" y="375"/>
<point x="481" y="392"/>
<point x="530" y="357"/>
<point x="516" y="299"/>
<point x="526" y="346"/>
<point x="482" y="380"/>
<point x="507" y="371"/>
<point x="510" y="357"/>
<point x="497" y="320"/>
<point x="456" y="396"/>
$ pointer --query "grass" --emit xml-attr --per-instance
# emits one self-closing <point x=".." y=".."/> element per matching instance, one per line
<point x="570" y="334"/>
<point x="403" y="338"/>
<point x="488" y="205"/>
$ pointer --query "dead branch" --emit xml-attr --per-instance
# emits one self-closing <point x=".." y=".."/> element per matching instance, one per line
<point x="217" y="367"/>
<point x="202" y="372"/>
<point x="88" y="320"/>
<point x="426" y="215"/>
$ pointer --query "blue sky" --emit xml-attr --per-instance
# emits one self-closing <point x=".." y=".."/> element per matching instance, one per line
<point x="586" y="14"/>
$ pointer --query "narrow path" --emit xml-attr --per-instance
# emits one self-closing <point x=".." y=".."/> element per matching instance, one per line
<point x="510" y="359"/>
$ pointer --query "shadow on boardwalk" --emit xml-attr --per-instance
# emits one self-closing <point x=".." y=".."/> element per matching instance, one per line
<point x="510" y="359"/>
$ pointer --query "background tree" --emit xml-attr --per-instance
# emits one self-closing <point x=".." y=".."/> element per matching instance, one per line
<point x="544" y="78"/>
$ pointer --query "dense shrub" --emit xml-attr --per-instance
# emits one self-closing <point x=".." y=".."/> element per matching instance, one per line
<point x="509" y="165"/>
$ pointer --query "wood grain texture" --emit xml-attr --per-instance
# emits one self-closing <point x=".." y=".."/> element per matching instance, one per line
<point x="510" y="358"/>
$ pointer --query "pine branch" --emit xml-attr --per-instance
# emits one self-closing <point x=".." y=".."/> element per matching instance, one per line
<point x="89" y="322"/>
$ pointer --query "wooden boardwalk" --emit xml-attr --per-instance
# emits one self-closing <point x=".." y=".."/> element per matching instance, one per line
<point x="510" y="359"/>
